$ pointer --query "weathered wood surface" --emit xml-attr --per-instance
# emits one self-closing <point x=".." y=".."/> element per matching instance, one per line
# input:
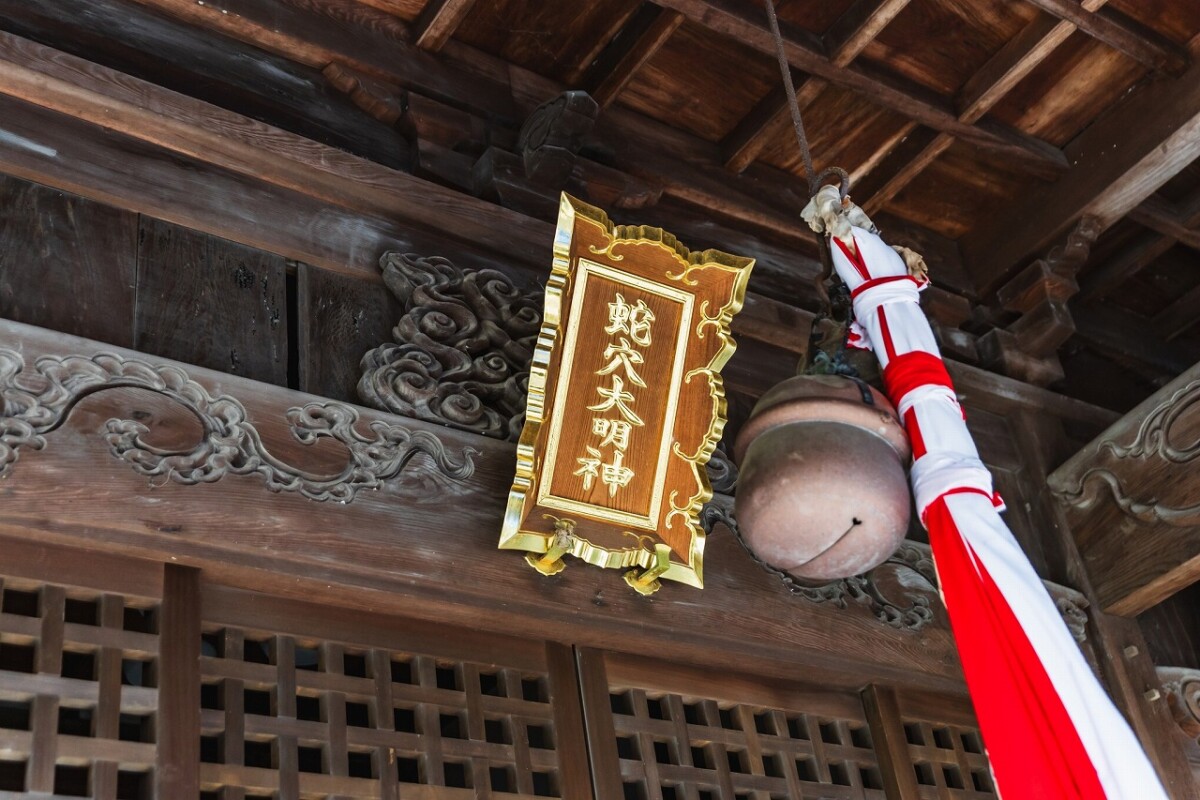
<point x="67" y="264"/>
<point x="211" y="302"/>
<point x="424" y="545"/>
<point x="1133" y="500"/>
<point x="1119" y="161"/>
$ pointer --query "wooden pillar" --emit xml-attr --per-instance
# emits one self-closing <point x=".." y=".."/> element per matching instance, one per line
<point x="178" y="764"/>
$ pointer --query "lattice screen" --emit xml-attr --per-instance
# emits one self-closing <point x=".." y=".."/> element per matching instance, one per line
<point x="77" y="692"/>
<point x="687" y="748"/>
<point x="308" y="718"/>
<point x="949" y="761"/>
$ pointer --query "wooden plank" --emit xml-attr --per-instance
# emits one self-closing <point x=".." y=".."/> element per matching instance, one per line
<point x="636" y="44"/>
<point x="438" y="21"/>
<point x="210" y="302"/>
<point x="340" y="319"/>
<point x="891" y="745"/>
<point x="746" y="24"/>
<point x="375" y="553"/>
<point x="1127" y="262"/>
<point x="300" y="32"/>
<point x="1117" y="163"/>
<point x="571" y="741"/>
<point x="1112" y="330"/>
<point x="1179" y="317"/>
<point x="770" y="117"/>
<point x="241" y="78"/>
<point x="597" y="715"/>
<point x="177" y="772"/>
<point x="1158" y="215"/>
<point x="858" y="26"/>
<point x="1120" y="33"/>
<point x="68" y="263"/>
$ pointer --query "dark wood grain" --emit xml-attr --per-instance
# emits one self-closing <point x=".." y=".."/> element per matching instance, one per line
<point x="1155" y="130"/>
<point x="239" y="77"/>
<point x="572" y="745"/>
<point x="340" y="319"/>
<point x="66" y="263"/>
<point x="177" y="767"/>
<point x="438" y="21"/>
<point x="211" y="302"/>
<point x="887" y="732"/>
<point x="601" y="735"/>
<point x="633" y="46"/>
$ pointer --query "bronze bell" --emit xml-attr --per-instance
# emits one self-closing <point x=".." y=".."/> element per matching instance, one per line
<point x="822" y="492"/>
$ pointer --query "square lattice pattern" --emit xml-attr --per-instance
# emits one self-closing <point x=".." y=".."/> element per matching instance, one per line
<point x="78" y="696"/>
<point x="306" y="718"/>
<point x="949" y="761"/>
<point x="676" y="748"/>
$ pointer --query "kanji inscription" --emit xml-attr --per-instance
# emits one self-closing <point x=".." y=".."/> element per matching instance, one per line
<point x="625" y="401"/>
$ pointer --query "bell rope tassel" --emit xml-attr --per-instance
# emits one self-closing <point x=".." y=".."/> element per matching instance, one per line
<point x="1050" y="729"/>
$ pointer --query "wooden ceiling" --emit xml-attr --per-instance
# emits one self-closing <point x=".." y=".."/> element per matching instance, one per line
<point x="981" y="130"/>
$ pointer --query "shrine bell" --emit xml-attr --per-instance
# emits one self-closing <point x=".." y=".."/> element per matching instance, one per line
<point x="822" y="492"/>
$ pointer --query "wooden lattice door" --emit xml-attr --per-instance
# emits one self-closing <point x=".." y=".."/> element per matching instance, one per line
<point x="665" y="732"/>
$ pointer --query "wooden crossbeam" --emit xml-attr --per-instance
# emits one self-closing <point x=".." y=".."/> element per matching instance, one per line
<point x="1127" y="262"/>
<point x="1178" y="317"/>
<point x="846" y="38"/>
<point x="438" y="21"/>
<point x="1117" y="162"/>
<point x="1120" y="33"/>
<point x="636" y="44"/>
<point x="980" y="93"/>
<point x="858" y="26"/>
<point x="765" y="121"/>
<point x="806" y="53"/>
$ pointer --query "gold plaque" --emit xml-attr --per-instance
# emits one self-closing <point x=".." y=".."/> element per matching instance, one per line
<point x="625" y="402"/>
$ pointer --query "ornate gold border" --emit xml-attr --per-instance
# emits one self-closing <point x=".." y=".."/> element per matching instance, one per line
<point x="571" y="210"/>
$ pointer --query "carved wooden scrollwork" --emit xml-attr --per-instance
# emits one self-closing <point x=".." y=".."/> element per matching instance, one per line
<point x="900" y="592"/>
<point x="462" y="351"/>
<point x="35" y="404"/>
<point x="1154" y="443"/>
<point x="1182" y="689"/>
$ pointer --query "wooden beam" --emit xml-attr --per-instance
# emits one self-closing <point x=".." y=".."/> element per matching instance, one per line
<point x="1179" y="317"/>
<point x="1122" y="34"/>
<point x="846" y="38"/>
<point x="982" y="91"/>
<point x="636" y="44"/>
<point x="1131" y="259"/>
<point x="1123" y="494"/>
<point x="858" y="26"/>
<point x="1117" y="162"/>
<point x="241" y="534"/>
<point x="891" y="745"/>
<point x="1158" y="215"/>
<point x="178" y="765"/>
<point x="769" y="117"/>
<point x="438" y="21"/>
<point x="234" y="75"/>
<point x="805" y="52"/>
<point x="1125" y="335"/>
<point x="318" y="40"/>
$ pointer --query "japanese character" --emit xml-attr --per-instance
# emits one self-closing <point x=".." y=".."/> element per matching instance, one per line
<point x="614" y="431"/>
<point x="615" y="475"/>
<point x="634" y="320"/>
<point x="589" y="468"/>
<point x="617" y="397"/>
<point x="623" y="355"/>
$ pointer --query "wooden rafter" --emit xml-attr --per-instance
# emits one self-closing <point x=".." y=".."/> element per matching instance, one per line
<point x="980" y="93"/>
<point x="858" y="26"/>
<point x="1118" y="162"/>
<point x="438" y="21"/>
<point x="1120" y="33"/>
<point x="848" y="37"/>
<point x="636" y="44"/>
<point x="806" y="52"/>
<point x="768" y="117"/>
